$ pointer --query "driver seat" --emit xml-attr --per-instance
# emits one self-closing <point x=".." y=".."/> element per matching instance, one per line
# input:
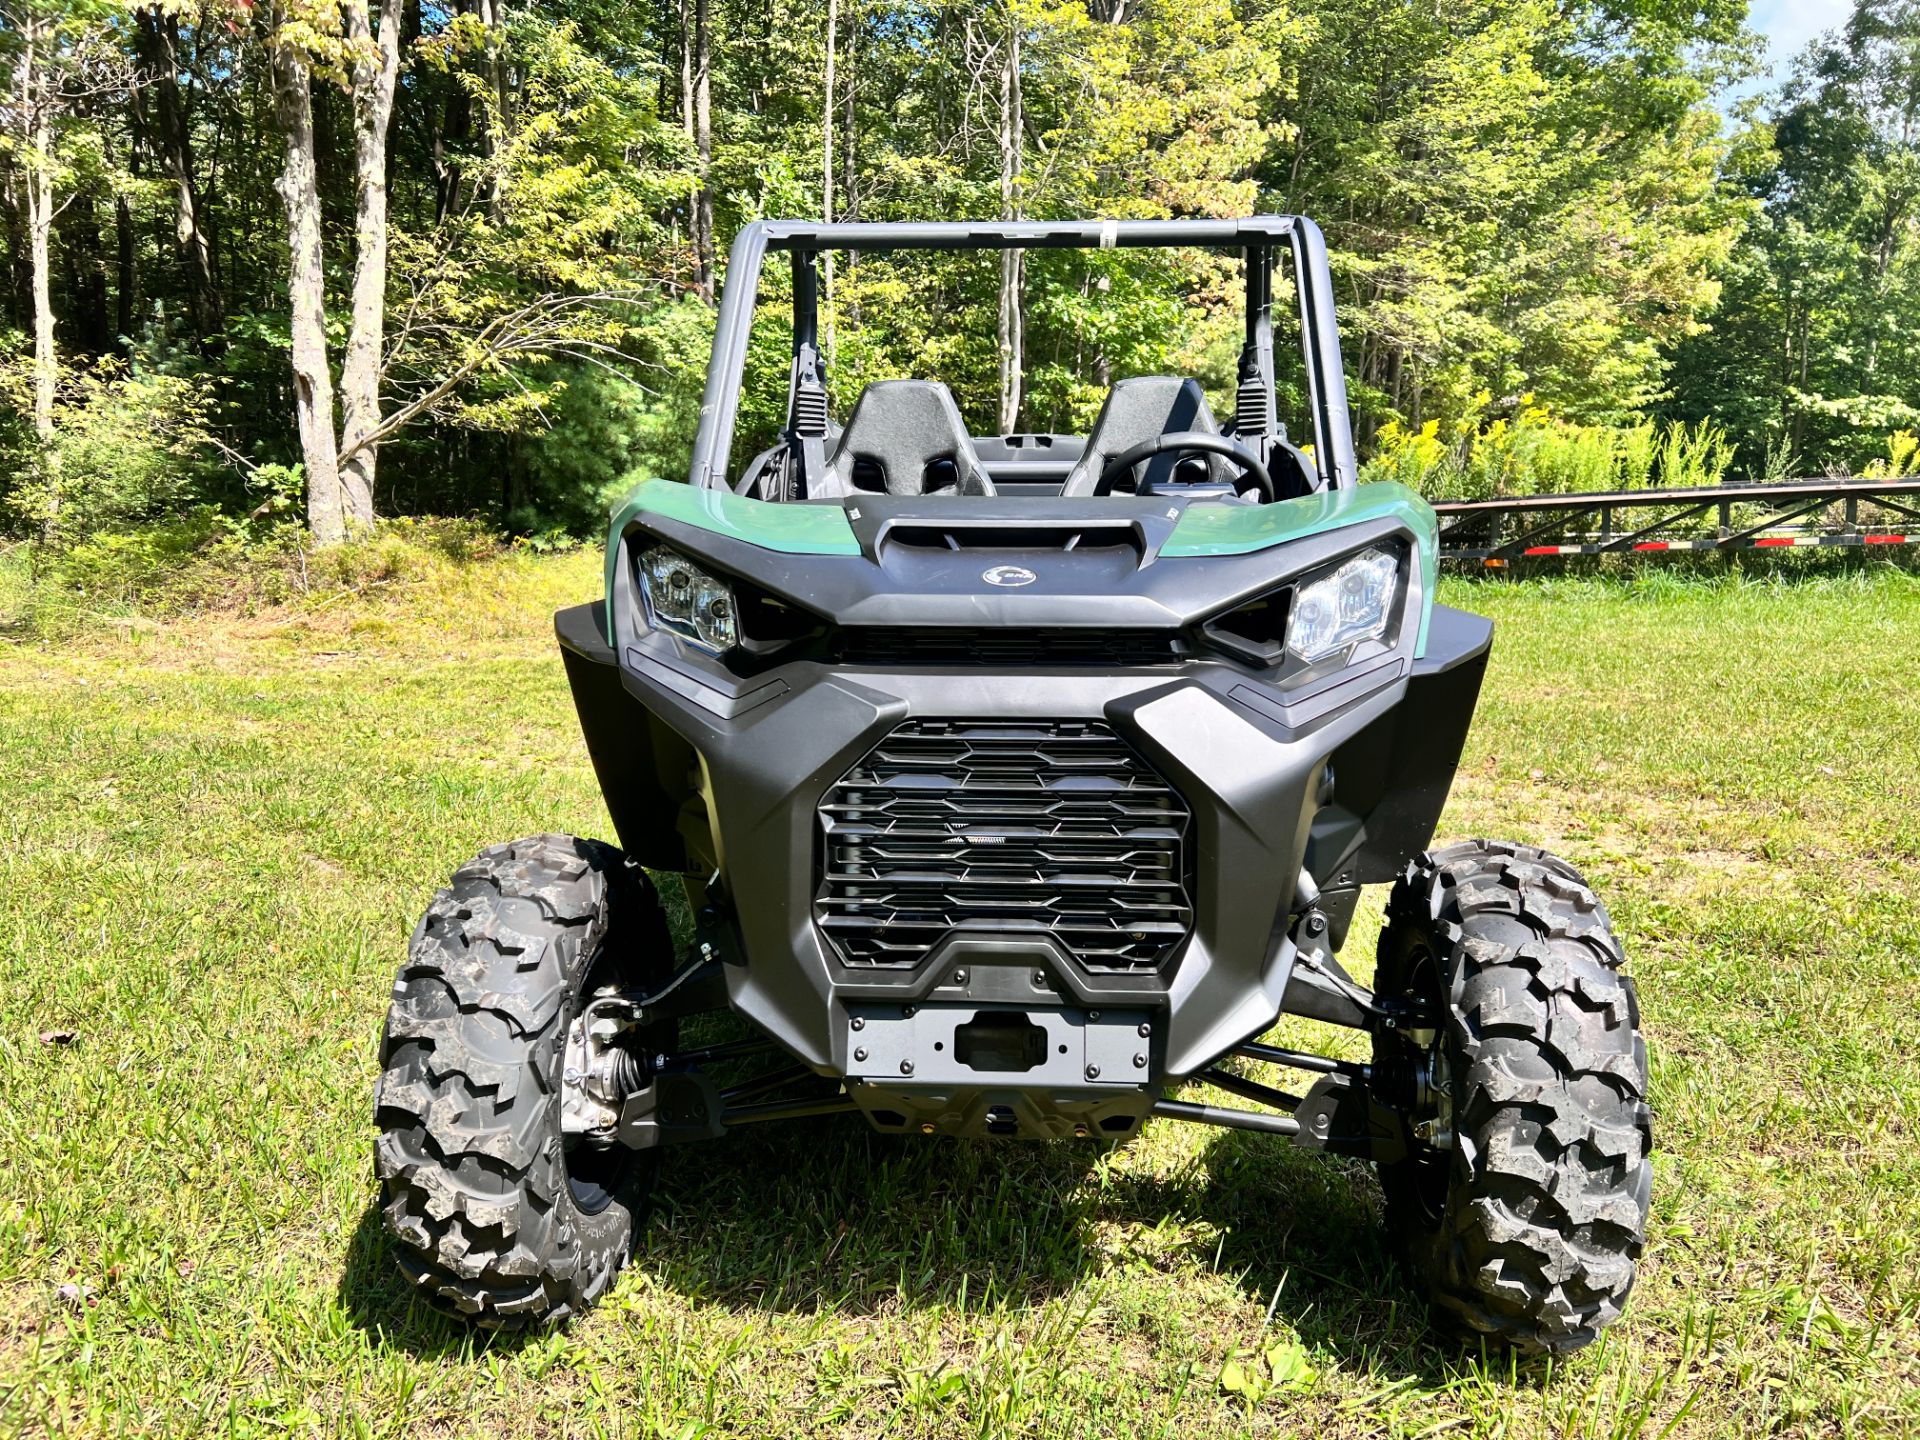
<point x="1138" y="410"/>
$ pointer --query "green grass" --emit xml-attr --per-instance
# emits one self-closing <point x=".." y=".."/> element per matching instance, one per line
<point x="215" y="837"/>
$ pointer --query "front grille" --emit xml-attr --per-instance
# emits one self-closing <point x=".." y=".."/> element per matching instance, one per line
<point x="1004" y="825"/>
<point x="1006" y="648"/>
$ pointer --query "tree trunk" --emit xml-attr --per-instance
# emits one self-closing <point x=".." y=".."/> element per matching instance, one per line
<point x="849" y="140"/>
<point x="376" y="71"/>
<point x="826" y="116"/>
<point x="1011" y="328"/>
<point x="849" y="131"/>
<point x="46" y="361"/>
<point x="703" y="146"/>
<point x="166" y="126"/>
<point x="126" y="279"/>
<point x="29" y="102"/>
<point x="312" y="383"/>
<point x="684" y="10"/>
<point x="492" y="17"/>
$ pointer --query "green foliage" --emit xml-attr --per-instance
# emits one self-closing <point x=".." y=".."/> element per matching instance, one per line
<point x="1535" y="452"/>
<point x="1813" y="347"/>
<point x="1902" y="460"/>
<point x="1520" y="196"/>
<point x="205" y="560"/>
<point x="134" y="446"/>
<point x="605" y="433"/>
<point x="1523" y="198"/>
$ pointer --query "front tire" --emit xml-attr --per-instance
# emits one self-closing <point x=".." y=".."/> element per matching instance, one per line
<point x="1522" y="1200"/>
<point x="495" y="1219"/>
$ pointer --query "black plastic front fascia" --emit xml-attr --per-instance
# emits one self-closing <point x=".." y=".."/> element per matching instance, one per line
<point x="1248" y="755"/>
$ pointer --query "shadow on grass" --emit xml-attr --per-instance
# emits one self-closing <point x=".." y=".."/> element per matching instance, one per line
<point x="830" y="1215"/>
<point x="1302" y="1234"/>
<point x="378" y="1301"/>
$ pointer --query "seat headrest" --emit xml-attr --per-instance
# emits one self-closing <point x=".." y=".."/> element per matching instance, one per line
<point x="911" y="433"/>
<point x="1138" y="410"/>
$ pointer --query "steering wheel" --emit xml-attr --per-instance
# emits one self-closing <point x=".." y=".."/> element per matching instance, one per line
<point x="1190" y="442"/>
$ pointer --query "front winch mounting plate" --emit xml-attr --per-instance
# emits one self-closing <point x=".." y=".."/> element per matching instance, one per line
<point x="967" y="1045"/>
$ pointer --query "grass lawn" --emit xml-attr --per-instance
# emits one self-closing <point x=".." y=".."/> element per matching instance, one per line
<point x="215" y="837"/>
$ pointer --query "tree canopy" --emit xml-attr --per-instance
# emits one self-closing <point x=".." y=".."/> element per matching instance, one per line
<point x="384" y="256"/>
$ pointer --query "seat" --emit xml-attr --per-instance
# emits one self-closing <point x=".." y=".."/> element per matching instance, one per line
<point x="1138" y="410"/>
<point x="904" y="437"/>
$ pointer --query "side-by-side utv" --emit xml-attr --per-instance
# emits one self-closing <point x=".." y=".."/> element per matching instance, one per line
<point x="1018" y="784"/>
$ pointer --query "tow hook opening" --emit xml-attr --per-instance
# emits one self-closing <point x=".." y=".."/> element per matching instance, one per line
<point x="1000" y="1041"/>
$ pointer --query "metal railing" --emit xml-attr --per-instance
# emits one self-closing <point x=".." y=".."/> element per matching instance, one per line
<point x="1494" y="534"/>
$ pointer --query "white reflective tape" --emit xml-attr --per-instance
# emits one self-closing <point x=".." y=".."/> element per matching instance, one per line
<point x="1109" y="234"/>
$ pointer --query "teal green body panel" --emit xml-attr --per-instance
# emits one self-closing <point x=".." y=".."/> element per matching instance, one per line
<point x="1202" y="530"/>
<point x="790" y="529"/>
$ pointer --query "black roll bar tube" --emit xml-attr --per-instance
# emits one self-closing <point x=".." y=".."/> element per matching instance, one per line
<point x="1320" y="342"/>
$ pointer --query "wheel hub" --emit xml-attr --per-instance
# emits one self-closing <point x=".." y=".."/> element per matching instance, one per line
<point x="601" y="1068"/>
<point x="1432" y="1086"/>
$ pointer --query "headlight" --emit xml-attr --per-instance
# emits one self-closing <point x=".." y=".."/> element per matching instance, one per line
<point x="1350" y="605"/>
<point x="685" y="599"/>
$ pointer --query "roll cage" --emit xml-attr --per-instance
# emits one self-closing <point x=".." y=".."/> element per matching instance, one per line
<point x="1255" y="418"/>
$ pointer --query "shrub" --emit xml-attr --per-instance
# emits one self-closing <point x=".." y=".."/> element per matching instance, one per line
<point x="132" y="447"/>
<point x="205" y="560"/>
<point x="1534" y="452"/>
<point x="1902" y="458"/>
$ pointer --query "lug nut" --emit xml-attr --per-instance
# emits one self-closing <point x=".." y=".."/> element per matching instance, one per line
<point x="861" y="1053"/>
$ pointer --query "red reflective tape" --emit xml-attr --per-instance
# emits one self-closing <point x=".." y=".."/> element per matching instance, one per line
<point x="1541" y="550"/>
<point x="1651" y="545"/>
<point x="1775" y="540"/>
<point x="1886" y="539"/>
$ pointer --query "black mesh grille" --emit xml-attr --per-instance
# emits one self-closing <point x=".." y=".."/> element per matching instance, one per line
<point x="1004" y="825"/>
<point x="1006" y="648"/>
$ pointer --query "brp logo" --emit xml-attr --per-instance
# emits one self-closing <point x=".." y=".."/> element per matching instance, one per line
<point x="1008" y="576"/>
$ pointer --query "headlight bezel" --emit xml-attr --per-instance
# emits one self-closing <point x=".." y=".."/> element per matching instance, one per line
<point x="683" y="598"/>
<point x="1353" y="600"/>
<point x="1259" y="632"/>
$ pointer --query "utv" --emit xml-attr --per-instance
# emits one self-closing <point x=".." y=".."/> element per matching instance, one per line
<point x="1017" y="783"/>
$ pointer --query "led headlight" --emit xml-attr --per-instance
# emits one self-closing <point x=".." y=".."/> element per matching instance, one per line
<point x="685" y="599"/>
<point x="1343" y="608"/>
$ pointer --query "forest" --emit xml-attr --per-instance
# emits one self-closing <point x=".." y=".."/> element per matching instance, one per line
<point x="292" y="265"/>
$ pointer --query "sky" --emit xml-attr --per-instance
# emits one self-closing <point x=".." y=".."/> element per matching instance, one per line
<point x="1788" y="26"/>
